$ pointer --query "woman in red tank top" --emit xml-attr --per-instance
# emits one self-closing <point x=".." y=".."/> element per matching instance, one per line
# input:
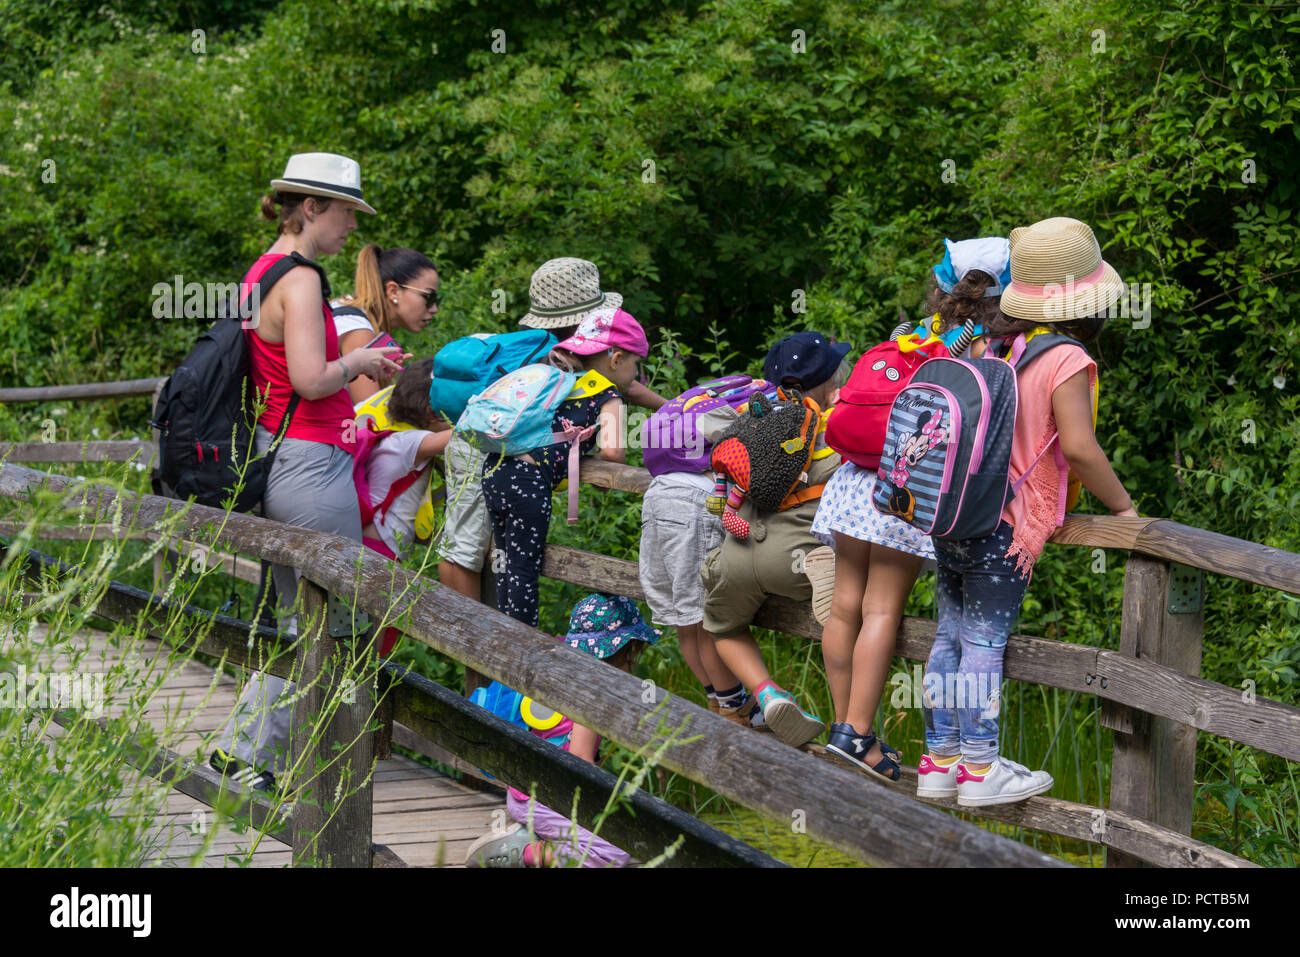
<point x="294" y="349"/>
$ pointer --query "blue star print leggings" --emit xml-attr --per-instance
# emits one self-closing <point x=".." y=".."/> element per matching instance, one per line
<point x="979" y="596"/>
<point x="518" y="497"/>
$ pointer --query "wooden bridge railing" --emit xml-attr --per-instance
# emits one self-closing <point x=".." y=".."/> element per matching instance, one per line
<point x="838" y="807"/>
<point x="1152" y="696"/>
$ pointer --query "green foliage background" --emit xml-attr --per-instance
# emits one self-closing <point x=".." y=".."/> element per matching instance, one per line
<point x="1171" y="131"/>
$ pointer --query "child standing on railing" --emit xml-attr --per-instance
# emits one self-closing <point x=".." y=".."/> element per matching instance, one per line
<point x="609" y="346"/>
<point x="678" y="531"/>
<point x="1059" y="284"/>
<point x="877" y="557"/>
<point x="765" y="558"/>
<point x="608" y="627"/>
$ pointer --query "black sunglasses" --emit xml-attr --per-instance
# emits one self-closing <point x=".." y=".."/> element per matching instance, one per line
<point x="431" y="297"/>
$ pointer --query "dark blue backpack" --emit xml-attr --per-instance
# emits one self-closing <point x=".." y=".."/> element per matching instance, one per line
<point x="466" y="366"/>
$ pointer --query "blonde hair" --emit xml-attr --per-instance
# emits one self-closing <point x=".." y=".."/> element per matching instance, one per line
<point x="841" y="375"/>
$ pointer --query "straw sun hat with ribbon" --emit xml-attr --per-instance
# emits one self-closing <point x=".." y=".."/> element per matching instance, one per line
<point x="1057" y="273"/>
<point x="563" y="292"/>
<point x="323" y="174"/>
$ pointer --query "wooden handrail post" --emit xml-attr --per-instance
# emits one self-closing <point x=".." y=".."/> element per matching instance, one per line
<point x="1153" y="767"/>
<point x="342" y="753"/>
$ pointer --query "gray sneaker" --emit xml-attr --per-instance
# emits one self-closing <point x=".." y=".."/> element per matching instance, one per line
<point x="499" y="850"/>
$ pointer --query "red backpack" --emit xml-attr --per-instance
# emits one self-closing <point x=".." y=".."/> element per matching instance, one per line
<point x="859" y="419"/>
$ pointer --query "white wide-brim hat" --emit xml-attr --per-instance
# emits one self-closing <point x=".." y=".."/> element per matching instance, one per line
<point x="323" y="174"/>
<point x="565" y="291"/>
<point x="1057" y="273"/>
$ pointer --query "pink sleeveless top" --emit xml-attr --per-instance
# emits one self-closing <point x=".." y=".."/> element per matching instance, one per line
<point x="1034" y="511"/>
<point x="316" y="420"/>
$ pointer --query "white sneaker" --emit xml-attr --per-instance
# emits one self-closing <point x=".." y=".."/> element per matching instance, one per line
<point x="936" y="781"/>
<point x="1004" y="783"/>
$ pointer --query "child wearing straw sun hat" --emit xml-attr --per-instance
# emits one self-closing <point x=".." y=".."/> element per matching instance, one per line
<point x="1060" y="287"/>
<point x="561" y="294"/>
<point x="607" y="348"/>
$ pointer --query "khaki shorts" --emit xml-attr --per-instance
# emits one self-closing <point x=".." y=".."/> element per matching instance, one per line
<point x="740" y="575"/>
<point x="467" y="530"/>
<point x="677" y="533"/>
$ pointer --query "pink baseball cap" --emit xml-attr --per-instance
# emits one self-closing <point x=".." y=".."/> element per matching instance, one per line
<point x="608" y="328"/>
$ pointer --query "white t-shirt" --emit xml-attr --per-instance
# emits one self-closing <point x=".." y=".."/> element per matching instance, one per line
<point x="391" y="460"/>
<point x="346" y="324"/>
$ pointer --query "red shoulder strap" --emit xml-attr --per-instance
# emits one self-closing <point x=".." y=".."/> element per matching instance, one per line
<point x="397" y="488"/>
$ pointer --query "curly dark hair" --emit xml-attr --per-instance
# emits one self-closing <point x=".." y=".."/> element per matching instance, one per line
<point x="409" y="402"/>
<point x="966" y="301"/>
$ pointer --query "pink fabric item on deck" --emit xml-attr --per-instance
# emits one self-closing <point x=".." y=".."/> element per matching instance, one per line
<point x="559" y="831"/>
<point x="1033" y="512"/>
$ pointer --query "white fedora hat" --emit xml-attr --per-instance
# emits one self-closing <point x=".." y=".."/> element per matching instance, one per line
<point x="323" y="174"/>
<point x="565" y="291"/>
<point x="1057" y="273"/>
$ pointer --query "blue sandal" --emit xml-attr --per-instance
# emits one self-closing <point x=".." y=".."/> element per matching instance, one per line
<point x="845" y="742"/>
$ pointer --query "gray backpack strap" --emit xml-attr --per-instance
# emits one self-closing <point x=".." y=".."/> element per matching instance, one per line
<point x="1036" y="346"/>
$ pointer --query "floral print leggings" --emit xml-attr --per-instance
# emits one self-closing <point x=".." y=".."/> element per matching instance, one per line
<point x="979" y="597"/>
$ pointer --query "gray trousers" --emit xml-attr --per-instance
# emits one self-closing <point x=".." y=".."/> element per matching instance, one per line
<point x="310" y="486"/>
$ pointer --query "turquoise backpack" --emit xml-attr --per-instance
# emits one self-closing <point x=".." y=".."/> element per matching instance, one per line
<point x="514" y="415"/>
<point x="464" y="366"/>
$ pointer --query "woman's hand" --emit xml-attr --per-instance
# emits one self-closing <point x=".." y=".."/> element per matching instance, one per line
<point x="1129" y="512"/>
<point x="381" y="364"/>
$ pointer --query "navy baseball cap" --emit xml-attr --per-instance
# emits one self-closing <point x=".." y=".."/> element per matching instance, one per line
<point x="810" y="357"/>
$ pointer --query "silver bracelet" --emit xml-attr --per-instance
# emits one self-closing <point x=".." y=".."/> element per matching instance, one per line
<point x="347" y="373"/>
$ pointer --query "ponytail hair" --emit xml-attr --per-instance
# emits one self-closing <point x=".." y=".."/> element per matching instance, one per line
<point x="376" y="268"/>
<point x="290" y="214"/>
<point x="966" y="301"/>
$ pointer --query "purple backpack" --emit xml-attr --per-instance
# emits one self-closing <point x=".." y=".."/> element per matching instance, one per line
<point x="671" y="440"/>
<point x="947" y="457"/>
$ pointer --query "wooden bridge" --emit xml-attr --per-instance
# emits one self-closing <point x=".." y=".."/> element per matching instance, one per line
<point x="1150" y="690"/>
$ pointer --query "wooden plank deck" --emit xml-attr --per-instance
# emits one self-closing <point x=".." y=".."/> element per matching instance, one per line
<point x="425" y="817"/>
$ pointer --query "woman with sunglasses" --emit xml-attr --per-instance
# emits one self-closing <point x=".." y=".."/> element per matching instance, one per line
<point x="397" y="288"/>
